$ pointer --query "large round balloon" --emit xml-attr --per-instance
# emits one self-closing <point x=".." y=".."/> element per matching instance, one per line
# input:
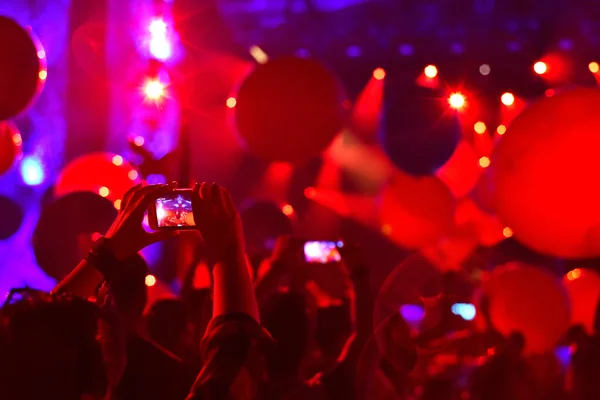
<point x="583" y="287"/>
<point x="20" y="66"/>
<point x="66" y="229"/>
<point x="106" y="174"/>
<point x="419" y="129"/>
<point x="544" y="172"/>
<point x="527" y="299"/>
<point x="10" y="145"/>
<point x="416" y="212"/>
<point x="289" y="109"/>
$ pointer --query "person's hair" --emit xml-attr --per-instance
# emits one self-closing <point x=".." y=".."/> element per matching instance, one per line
<point x="167" y="324"/>
<point x="334" y="327"/>
<point x="49" y="349"/>
<point x="128" y="288"/>
<point x="284" y="316"/>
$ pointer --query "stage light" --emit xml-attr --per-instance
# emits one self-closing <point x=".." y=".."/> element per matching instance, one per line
<point x="550" y="92"/>
<point x="540" y="67"/>
<point x="310" y="192"/>
<point x="480" y="127"/>
<point x="231" y="102"/>
<point x="160" y="48"/>
<point x="158" y="27"/>
<point x="32" y="171"/>
<point x="501" y="130"/>
<point x="150" y="280"/>
<point x="485" y="69"/>
<point x="138" y="141"/>
<point x="43" y="74"/>
<point x="154" y="89"/>
<point x="594" y="67"/>
<point x="430" y="71"/>
<point x="379" y="74"/>
<point x="508" y="99"/>
<point x="507" y="232"/>
<point x="132" y="174"/>
<point x="574" y="274"/>
<point x="484" y="162"/>
<point x="287" y="209"/>
<point x="456" y="100"/>
<point x="103" y="191"/>
<point x="258" y="54"/>
<point x="41" y="54"/>
<point x="117" y="204"/>
<point x="117" y="160"/>
<point x="17" y="139"/>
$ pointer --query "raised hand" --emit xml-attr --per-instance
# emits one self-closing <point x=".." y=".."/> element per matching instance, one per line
<point x="126" y="235"/>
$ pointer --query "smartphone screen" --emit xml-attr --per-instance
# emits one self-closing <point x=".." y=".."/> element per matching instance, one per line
<point x="322" y="252"/>
<point x="466" y="311"/>
<point x="175" y="210"/>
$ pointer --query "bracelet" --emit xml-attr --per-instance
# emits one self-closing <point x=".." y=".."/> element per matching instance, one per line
<point x="102" y="258"/>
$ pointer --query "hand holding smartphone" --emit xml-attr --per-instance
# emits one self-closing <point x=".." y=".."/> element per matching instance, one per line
<point x="172" y="211"/>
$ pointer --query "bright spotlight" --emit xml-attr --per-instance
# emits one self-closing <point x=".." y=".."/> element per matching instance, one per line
<point x="456" y="101"/>
<point x="258" y="54"/>
<point x="43" y="74"/>
<point x="501" y="130"/>
<point x="287" y="209"/>
<point x="484" y="162"/>
<point x="160" y="48"/>
<point x="154" y="89"/>
<point x="430" y="71"/>
<point x="480" y="127"/>
<point x="508" y="99"/>
<point x="231" y="102"/>
<point x="103" y="191"/>
<point x="379" y="74"/>
<point x="540" y="67"/>
<point x="32" y="171"/>
<point x="158" y="27"/>
<point x="594" y="67"/>
<point x="507" y="232"/>
<point x="150" y="280"/>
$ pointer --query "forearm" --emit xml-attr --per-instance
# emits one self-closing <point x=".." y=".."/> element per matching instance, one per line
<point x="267" y="284"/>
<point x="82" y="281"/>
<point x="233" y="289"/>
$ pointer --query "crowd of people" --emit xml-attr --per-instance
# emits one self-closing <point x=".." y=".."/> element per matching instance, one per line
<point x="254" y="338"/>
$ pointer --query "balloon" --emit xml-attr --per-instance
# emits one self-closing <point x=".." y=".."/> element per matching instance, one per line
<point x="96" y="172"/>
<point x="289" y="109"/>
<point x="419" y="129"/>
<point x="544" y="171"/>
<point x="11" y="215"/>
<point x="416" y="212"/>
<point x="10" y="145"/>
<point x="462" y="171"/>
<point x="20" y="68"/>
<point x="530" y="300"/>
<point x="66" y="228"/>
<point x="583" y="287"/>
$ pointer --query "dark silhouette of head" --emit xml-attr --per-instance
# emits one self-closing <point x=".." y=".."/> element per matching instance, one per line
<point x="284" y="316"/>
<point x="128" y="288"/>
<point x="334" y="327"/>
<point x="168" y="326"/>
<point x="49" y="349"/>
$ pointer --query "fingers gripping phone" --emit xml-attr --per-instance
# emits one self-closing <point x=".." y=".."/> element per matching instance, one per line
<point x="172" y="211"/>
<point x="322" y="252"/>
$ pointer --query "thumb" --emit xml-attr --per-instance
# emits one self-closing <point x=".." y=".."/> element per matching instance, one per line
<point x="162" y="235"/>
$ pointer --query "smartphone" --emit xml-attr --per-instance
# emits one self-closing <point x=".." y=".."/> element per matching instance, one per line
<point x="322" y="252"/>
<point x="172" y="211"/>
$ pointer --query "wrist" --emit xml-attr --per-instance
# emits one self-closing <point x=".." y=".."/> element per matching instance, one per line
<point x="102" y="257"/>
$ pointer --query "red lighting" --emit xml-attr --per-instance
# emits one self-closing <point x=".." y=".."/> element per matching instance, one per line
<point x="540" y="68"/>
<point x="456" y="101"/>
<point x="550" y="92"/>
<point x="508" y="99"/>
<point x="507" y="232"/>
<point x="480" y="127"/>
<point x="574" y="274"/>
<point x="379" y="74"/>
<point x="430" y="71"/>
<point x="287" y="209"/>
<point x="154" y="89"/>
<point x="310" y="192"/>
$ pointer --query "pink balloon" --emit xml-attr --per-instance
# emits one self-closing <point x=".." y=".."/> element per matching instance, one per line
<point x="583" y="287"/>
<point x="529" y="300"/>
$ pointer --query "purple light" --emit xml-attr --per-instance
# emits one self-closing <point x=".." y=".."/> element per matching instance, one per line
<point x="412" y="313"/>
<point x="406" y="50"/>
<point x="353" y="51"/>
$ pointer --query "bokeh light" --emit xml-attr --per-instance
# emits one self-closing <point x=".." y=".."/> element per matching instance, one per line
<point x="117" y="160"/>
<point x="258" y="54"/>
<point x="160" y="48"/>
<point x="231" y="102"/>
<point x="480" y="127"/>
<point x="150" y="280"/>
<point x="594" y="67"/>
<point x="43" y="74"/>
<point x="485" y="69"/>
<point x="154" y="89"/>
<point x="507" y="232"/>
<point x="484" y="162"/>
<point x="32" y="171"/>
<point x="139" y="141"/>
<point x="430" y="71"/>
<point x="17" y="139"/>
<point x="310" y="192"/>
<point x="540" y="68"/>
<point x="117" y="204"/>
<point x="501" y="130"/>
<point x="574" y="274"/>
<point x="287" y="209"/>
<point x="132" y="174"/>
<point x="41" y="54"/>
<point x="103" y="191"/>
<point x="379" y="74"/>
<point x="508" y="99"/>
<point x="456" y="100"/>
<point x="550" y="92"/>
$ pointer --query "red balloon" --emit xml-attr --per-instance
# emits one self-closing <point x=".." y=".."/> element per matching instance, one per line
<point x="289" y="109"/>
<point x="462" y="171"/>
<point x="583" y="287"/>
<point x="544" y="171"/>
<point x="10" y="145"/>
<point x="20" y="67"/>
<point x="416" y="212"/>
<point x="106" y="174"/>
<point x="530" y="300"/>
